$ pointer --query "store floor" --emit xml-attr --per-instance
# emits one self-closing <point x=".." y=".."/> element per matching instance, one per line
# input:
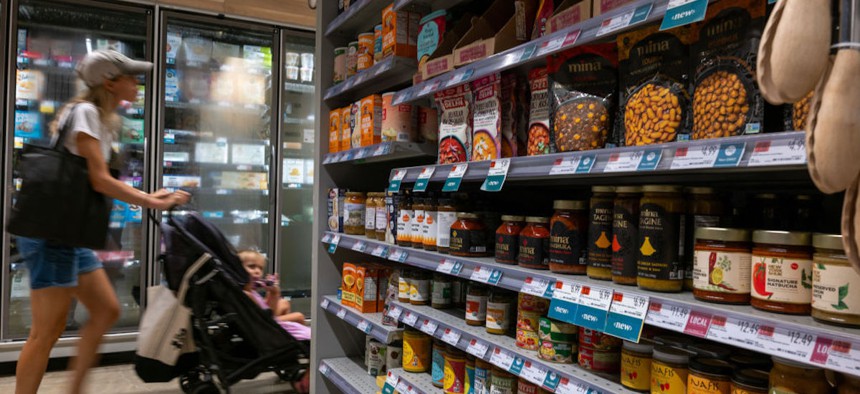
<point x="121" y="379"/>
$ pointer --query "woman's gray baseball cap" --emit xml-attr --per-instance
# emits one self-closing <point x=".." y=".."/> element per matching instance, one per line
<point x="102" y="65"/>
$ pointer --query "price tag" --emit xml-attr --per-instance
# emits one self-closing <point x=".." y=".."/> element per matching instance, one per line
<point x="624" y="161"/>
<point x="537" y="287"/>
<point x="328" y="158"/>
<point x="403" y="387"/>
<point x="627" y="316"/>
<point x="486" y="275"/>
<point x="381" y="150"/>
<point x="502" y="359"/>
<point x="349" y="155"/>
<point x="794" y="344"/>
<point x="780" y="152"/>
<point x="384" y="67"/>
<point x="683" y="12"/>
<point x="363" y="325"/>
<point x="455" y="176"/>
<point x="477" y="348"/>
<point x="360" y="78"/>
<point x="429" y="327"/>
<point x="741" y="333"/>
<point x="424" y="179"/>
<point x="568" y="387"/>
<point x="708" y="156"/>
<point x="362" y="153"/>
<point x="332" y="247"/>
<point x="628" y="18"/>
<point x="496" y="175"/>
<point x="391" y="381"/>
<point x="451" y="337"/>
<point x="517" y="366"/>
<point x="551" y="45"/>
<point x="534" y="372"/>
<point x="564" y="166"/>
<point x="593" y="308"/>
<point x="341" y="313"/>
<point x="410" y="319"/>
<point x="460" y="77"/>
<point x="326" y="238"/>
<point x="669" y="316"/>
<point x="398" y="255"/>
<point x="359" y="246"/>
<point x="324" y="369"/>
<point x="522" y="55"/>
<point x="380" y="251"/>
<point x="395" y="313"/>
<point x="698" y="324"/>
<point x="325" y="303"/>
<point x="451" y="267"/>
<point x="396" y="180"/>
<point x="429" y="88"/>
<point x="836" y="355"/>
<point x="565" y="302"/>
<point x="650" y="160"/>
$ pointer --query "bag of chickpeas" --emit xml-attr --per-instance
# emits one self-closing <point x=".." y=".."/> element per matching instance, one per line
<point x="583" y="83"/>
<point x="654" y="76"/>
<point x="726" y="98"/>
<point x="797" y="114"/>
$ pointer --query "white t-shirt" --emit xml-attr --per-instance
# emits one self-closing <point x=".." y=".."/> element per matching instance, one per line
<point x="86" y="120"/>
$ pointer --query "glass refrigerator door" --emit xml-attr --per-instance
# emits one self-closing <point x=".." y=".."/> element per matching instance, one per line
<point x="217" y="122"/>
<point x="52" y="36"/>
<point x="296" y="198"/>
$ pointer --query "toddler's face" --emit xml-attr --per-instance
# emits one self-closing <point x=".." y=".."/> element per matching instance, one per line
<point x="255" y="265"/>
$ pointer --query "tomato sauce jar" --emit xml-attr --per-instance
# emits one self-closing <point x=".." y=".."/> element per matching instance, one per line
<point x="569" y="237"/>
<point x="782" y="272"/>
<point x="468" y="236"/>
<point x="534" y="244"/>
<point x="722" y="263"/>
<point x="508" y="239"/>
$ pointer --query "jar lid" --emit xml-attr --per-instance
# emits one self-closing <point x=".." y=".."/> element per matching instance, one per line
<point x="723" y="234"/>
<point x="467" y="215"/>
<point x="782" y="237"/>
<point x="355" y="194"/>
<point x="644" y="346"/>
<point x="710" y="351"/>
<point x="711" y="366"/>
<point x="537" y="219"/>
<point x="628" y="189"/>
<point x="671" y="354"/>
<point x="661" y="189"/>
<point x="827" y="241"/>
<point x="752" y="377"/>
<point x="603" y="189"/>
<point x="700" y="190"/>
<point x="513" y="218"/>
<point x="794" y="364"/>
<point x="751" y="361"/>
<point x="568" y="204"/>
<point x="674" y="340"/>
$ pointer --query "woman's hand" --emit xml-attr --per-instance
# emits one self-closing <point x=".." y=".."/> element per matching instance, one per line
<point x="169" y="200"/>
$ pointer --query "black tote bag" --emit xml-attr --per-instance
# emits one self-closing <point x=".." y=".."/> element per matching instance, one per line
<point x="56" y="201"/>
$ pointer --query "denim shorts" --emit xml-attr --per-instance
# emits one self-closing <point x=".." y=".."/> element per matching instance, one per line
<point x="54" y="265"/>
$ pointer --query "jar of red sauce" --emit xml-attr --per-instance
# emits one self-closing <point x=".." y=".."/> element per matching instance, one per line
<point x="568" y="242"/>
<point x="534" y="243"/>
<point x="508" y="239"/>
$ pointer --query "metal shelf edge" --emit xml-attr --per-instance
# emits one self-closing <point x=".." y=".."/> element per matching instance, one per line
<point x="384" y="334"/>
<point x="348" y="374"/>
<point x="389" y="72"/>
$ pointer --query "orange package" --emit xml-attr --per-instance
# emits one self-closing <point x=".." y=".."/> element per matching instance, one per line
<point x="366" y="288"/>
<point x="347" y="296"/>
<point x="346" y="128"/>
<point x="399" y="32"/>
<point x="371" y="120"/>
<point x="334" y="125"/>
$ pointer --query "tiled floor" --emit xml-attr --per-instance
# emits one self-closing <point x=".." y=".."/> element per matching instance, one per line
<point x="121" y="379"/>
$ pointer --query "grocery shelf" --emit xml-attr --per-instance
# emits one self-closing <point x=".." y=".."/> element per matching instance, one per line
<point x="361" y="16"/>
<point x="370" y="323"/>
<point x="385" y="151"/>
<point x="502" y="351"/>
<point x="414" y="383"/>
<point x="533" y="52"/>
<point x="800" y="338"/>
<point x="432" y="4"/>
<point x="255" y="108"/>
<point x="386" y="74"/>
<point x="349" y="375"/>
<point x="742" y="156"/>
<point x="299" y="87"/>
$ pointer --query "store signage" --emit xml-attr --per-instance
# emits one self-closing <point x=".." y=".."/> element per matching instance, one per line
<point x="455" y="177"/>
<point x="739" y="332"/>
<point x="779" y="152"/>
<point x="559" y="42"/>
<point x="708" y="156"/>
<point x="477" y="348"/>
<point x="517" y="366"/>
<point x="326" y="238"/>
<point x="568" y="387"/>
<point x="627" y="316"/>
<point x="525" y="54"/>
<point x="451" y="336"/>
<point x="396" y="180"/>
<point x="502" y="359"/>
<point x="429" y="327"/>
<point x="793" y="344"/>
<point x="332" y="247"/>
<point x="594" y="302"/>
<point x="496" y="175"/>
<point x="424" y="179"/>
<point x="629" y="18"/>
<point x="405" y="388"/>
<point x="581" y="164"/>
<point x="486" y="275"/>
<point x="391" y="382"/>
<point x="670" y="317"/>
<point x="534" y="372"/>
<point x="537" y="287"/>
<point x="698" y="324"/>
<point x="395" y="312"/>
<point x="626" y="161"/>
<point x="565" y="301"/>
<point x="398" y="255"/>
<point x="683" y="12"/>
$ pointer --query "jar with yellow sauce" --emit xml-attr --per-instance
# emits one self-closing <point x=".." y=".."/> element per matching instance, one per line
<point x="636" y="365"/>
<point x="789" y="377"/>
<point x="416" y="351"/>
<point x="749" y="381"/>
<point x="709" y="376"/>
<point x="669" y="370"/>
<point x="354" y="213"/>
<point x="835" y="284"/>
<point x="661" y="239"/>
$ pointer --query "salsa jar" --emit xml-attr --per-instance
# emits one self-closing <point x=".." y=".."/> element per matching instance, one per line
<point x="429" y="229"/>
<point x="661" y="239"/>
<point x="835" y="284"/>
<point x="568" y="237"/>
<point x="636" y="365"/>
<point x="750" y="381"/>
<point x="500" y="311"/>
<point x="625" y="234"/>
<point x="722" y="265"/>
<point x="508" y="239"/>
<point x="468" y="236"/>
<point x="789" y="377"/>
<point x="599" y="248"/>
<point x="534" y="244"/>
<point x="782" y="272"/>
<point x="704" y="209"/>
<point x="405" y="215"/>
<point x="353" y="213"/>
<point x="669" y="370"/>
<point x="476" y="304"/>
<point x="446" y="216"/>
<point x="709" y="376"/>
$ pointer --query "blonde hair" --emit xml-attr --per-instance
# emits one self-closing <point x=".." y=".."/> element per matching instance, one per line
<point x="102" y="99"/>
<point x="253" y="253"/>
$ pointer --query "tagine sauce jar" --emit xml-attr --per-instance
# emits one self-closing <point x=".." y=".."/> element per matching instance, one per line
<point x="508" y="239"/>
<point x="636" y="365"/>
<point x="782" y="272"/>
<point x="568" y="243"/>
<point x="534" y="244"/>
<point x="722" y="264"/>
<point x="709" y="376"/>
<point x="669" y="370"/>
<point x="600" y="233"/>
<point x="661" y="240"/>
<point x="468" y="236"/>
<point x="835" y="285"/>
<point x="625" y="234"/>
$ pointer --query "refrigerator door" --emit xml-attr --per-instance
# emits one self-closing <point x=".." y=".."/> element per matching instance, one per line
<point x="52" y="36"/>
<point x="216" y="122"/>
<point x="297" y="169"/>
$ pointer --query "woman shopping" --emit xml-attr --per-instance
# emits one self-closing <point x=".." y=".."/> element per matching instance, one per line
<point x="60" y="274"/>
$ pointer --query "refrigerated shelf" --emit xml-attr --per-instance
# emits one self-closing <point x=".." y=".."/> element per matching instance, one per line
<point x="349" y="375"/>
<point x="386" y="74"/>
<point x="369" y="323"/>
<point x="385" y="151"/>
<point x="299" y="87"/>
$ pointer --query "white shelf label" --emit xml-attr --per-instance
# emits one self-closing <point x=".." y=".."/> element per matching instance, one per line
<point x="836" y="354"/>
<point x="341" y="313"/>
<point x="623" y="161"/>
<point x="429" y="88"/>
<point x="596" y="297"/>
<point x="381" y="150"/>
<point x="477" y="348"/>
<point x="496" y="175"/>
<point x="533" y="372"/>
<point x="567" y="291"/>
<point x="486" y="275"/>
<point x="392" y="379"/>
<point x="429" y="327"/>
<point x="741" y="333"/>
<point x="424" y="179"/>
<point x="380" y="251"/>
<point x="564" y="166"/>
<point x="459" y="77"/>
<point x="783" y="342"/>
<point x="395" y="312"/>
<point x="410" y="319"/>
<point x="502" y="359"/>
<point x="568" y="387"/>
<point x="695" y="157"/>
<point x="536" y="286"/>
<point x="398" y="255"/>
<point x="450" y="267"/>
<point x="363" y="325"/>
<point x="451" y="336"/>
<point x="780" y="152"/>
<point x="455" y="177"/>
<point x="325" y="303"/>
<point x="669" y="316"/>
<point x="634" y="306"/>
<point x="362" y="153"/>
<point x="359" y="246"/>
<point x="618" y="22"/>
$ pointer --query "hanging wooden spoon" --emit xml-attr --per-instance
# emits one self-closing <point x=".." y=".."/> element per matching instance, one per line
<point x="850" y="224"/>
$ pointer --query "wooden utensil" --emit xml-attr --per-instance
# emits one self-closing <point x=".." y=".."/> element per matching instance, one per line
<point x="850" y="223"/>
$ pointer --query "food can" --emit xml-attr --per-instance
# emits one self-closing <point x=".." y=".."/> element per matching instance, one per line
<point x="502" y="382"/>
<point x="364" y="57"/>
<point x="377" y="44"/>
<point x="398" y="121"/>
<point x="557" y="352"/>
<point x="557" y="331"/>
<point x="526" y="387"/>
<point x="527" y="339"/>
<point x="351" y="59"/>
<point x="599" y="360"/>
<point x="455" y="371"/>
<point x="437" y="373"/>
<point x="340" y="60"/>
<point x="597" y="340"/>
<point x="531" y="303"/>
<point x="529" y="320"/>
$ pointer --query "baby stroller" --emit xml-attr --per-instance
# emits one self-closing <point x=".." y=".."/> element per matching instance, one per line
<point x="234" y="338"/>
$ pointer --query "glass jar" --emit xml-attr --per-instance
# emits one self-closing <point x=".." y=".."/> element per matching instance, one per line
<point x="749" y="381"/>
<point x="468" y="236"/>
<point x="404" y="286"/>
<point x="405" y="215"/>
<point x="381" y="221"/>
<point x="801" y="213"/>
<point x="446" y="213"/>
<point x="370" y="215"/>
<point x="417" y="225"/>
<point x="835" y="284"/>
<point x="789" y="377"/>
<point x="502" y="382"/>
<point x="678" y="341"/>
<point x="437" y="372"/>
<point x="470" y="374"/>
<point x="568" y="237"/>
<point x="534" y="244"/>
<point x="599" y="250"/>
<point x="783" y="258"/>
<point x="441" y="294"/>
<point x="669" y="370"/>
<point x="636" y="365"/>
<point x="507" y="239"/>
<point x="625" y="234"/>
<point x="455" y="371"/>
<point x="709" y="350"/>
<point x="722" y="265"/>
<point x="416" y="351"/>
<point x="419" y="289"/>
<point x="458" y="292"/>
<point x="661" y="239"/>
<point x="704" y="209"/>
<point x="431" y="224"/>
<point x="751" y="360"/>
<point x="500" y="311"/>
<point x="483" y="369"/>
<point x="353" y="213"/>
<point x="766" y="212"/>
<point x="709" y="376"/>
<point x="392" y="213"/>
<point x="477" y="296"/>
<point x="849" y="385"/>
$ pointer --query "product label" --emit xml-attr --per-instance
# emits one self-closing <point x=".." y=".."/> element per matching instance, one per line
<point x="455" y="371"/>
<point x="381" y="219"/>
<point x="455" y="126"/>
<point x="476" y="308"/>
<point x="566" y="245"/>
<point x="430" y="227"/>
<point x="419" y="290"/>
<point x="441" y="293"/>
<point x="533" y="251"/>
<point x="507" y="248"/>
<point x="403" y="289"/>
<point x="502" y="385"/>
<point x="443" y="232"/>
<point x="482" y="381"/>
<point x="468" y="241"/>
<point x="635" y="372"/>
<point x="404" y="225"/>
<point x="353" y="215"/>
<point x="370" y="218"/>
<point x="693" y="222"/>
<point x="437" y="372"/>
<point x="498" y="316"/>
<point x="722" y="272"/>
<point x="625" y="235"/>
<point x="782" y="280"/>
<point x="659" y="243"/>
<point x="832" y="289"/>
<point x="600" y="235"/>
<point x="487" y="119"/>
<point x="697" y="385"/>
<point x="667" y="380"/>
<point x="416" y="227"/>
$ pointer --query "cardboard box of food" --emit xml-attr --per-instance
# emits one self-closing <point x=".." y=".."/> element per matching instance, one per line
<point x="336" y="198"/>
<point x="442" y="60"/>
<point x="370" y="120"/>
<point x="347" y="285"/>
<point x="334" y="125"/>
<point x="504" y="25"/>
<point x="600" y="7"/>
<point x="568" y="13"/>
<point x="399" y="32"/>
<point x="365" y="288"/>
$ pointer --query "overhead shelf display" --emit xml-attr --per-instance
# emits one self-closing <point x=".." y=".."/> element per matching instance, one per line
<point x="369" y="323"/>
